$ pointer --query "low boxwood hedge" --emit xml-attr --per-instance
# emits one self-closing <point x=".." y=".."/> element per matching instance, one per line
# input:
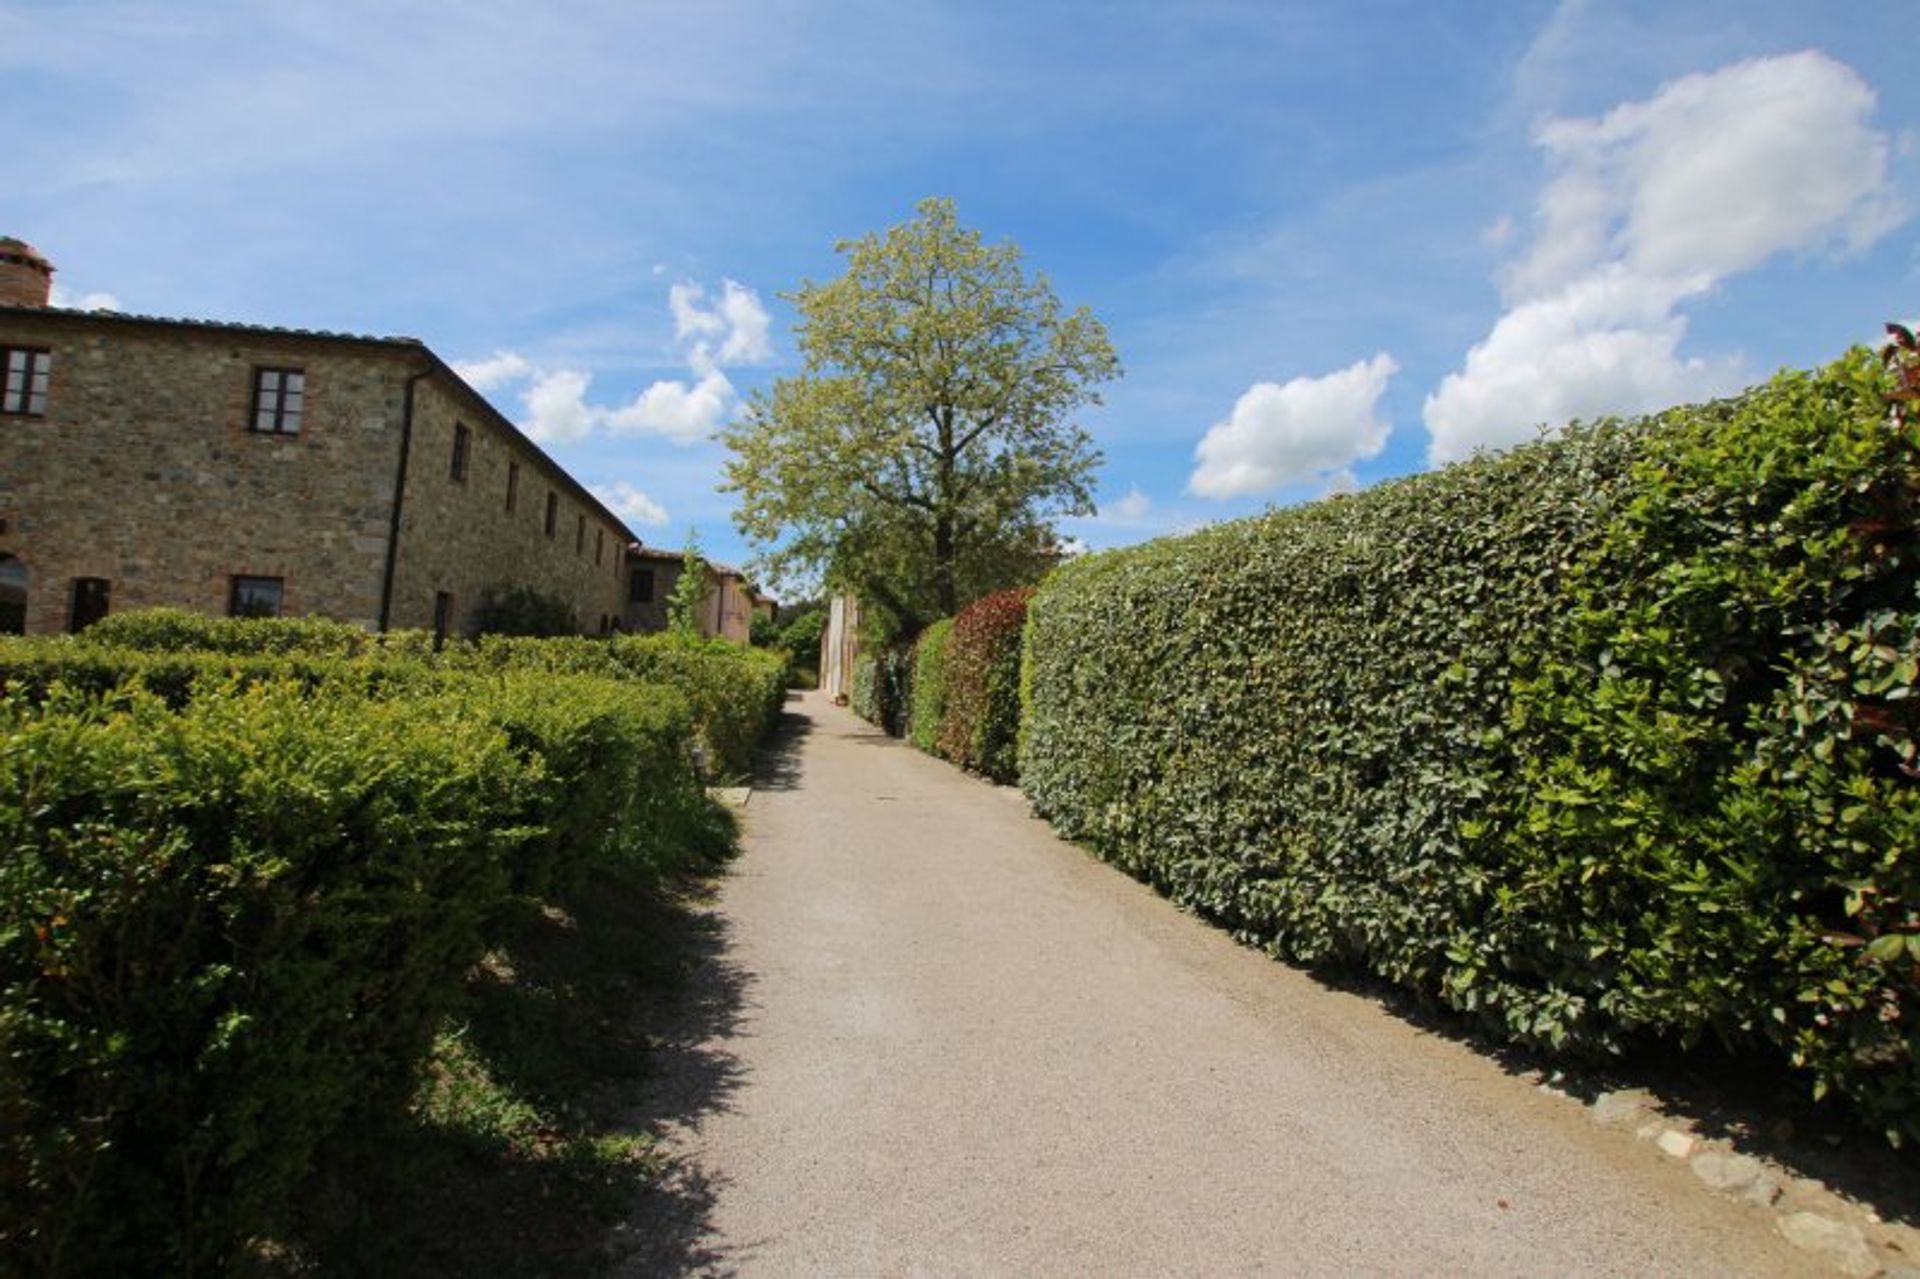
<point x="1605" y="739"/>
<point x="241" y="888"/>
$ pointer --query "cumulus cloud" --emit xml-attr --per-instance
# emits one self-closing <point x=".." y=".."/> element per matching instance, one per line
<point x="1308" y="428"/>
<point x="1133" y="506"/>
<point x="681" y="412"/>
<point x="731" y="329"/>
<point x="630" y="504"/>
<point x="96" y="301"/>
<point x="1608" y="343"/>
<point x="1650" y="205"/>
<point x="556" y="405"/>
<point x="502" y="368"/>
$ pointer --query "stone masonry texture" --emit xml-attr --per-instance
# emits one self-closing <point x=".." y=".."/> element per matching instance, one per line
<point x="144" y="472"/>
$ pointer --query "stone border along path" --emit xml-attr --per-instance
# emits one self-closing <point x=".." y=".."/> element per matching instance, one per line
<point x="960" y="1046"/>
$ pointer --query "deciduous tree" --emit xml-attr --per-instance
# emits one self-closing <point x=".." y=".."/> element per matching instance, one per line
<point x="926" y="448"/>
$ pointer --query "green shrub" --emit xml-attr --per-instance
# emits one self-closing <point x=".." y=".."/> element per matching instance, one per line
<point x="612" y="781"/>
<point x="234" y="910"/>
<point x="173" y="630"/>
<point x="735" y="692"/>
<point x="883" y="687"/>
<point x="522" y="610"/>
<point x="980" y="730"/>
<point x="225" y="934"/>
<point x="1599" y="740"/>
<point x="929" y="686"/>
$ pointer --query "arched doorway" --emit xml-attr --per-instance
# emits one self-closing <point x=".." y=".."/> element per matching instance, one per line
<point x="13" y="596"/>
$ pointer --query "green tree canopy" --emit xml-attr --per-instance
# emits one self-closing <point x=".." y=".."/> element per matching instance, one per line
<point x="922" y="455"/>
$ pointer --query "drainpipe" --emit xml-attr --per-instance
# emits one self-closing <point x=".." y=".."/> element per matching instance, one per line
<point x="399" y="495"/>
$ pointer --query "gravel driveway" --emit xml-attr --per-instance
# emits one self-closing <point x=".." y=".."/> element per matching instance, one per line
<point x="939" y="1041"/>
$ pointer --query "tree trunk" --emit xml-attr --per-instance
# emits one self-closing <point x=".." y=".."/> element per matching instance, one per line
<point x="943" y="518"/>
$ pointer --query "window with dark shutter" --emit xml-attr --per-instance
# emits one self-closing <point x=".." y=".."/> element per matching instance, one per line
<point x="513" y="486"/>
<point x="553" y="511"/>
<point x="462" y="446"/>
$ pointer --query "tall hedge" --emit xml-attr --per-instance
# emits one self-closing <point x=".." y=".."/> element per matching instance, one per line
<point x="1604" y="739"/>
<point x="929" y="686"/>
<point x="980" y="729"/>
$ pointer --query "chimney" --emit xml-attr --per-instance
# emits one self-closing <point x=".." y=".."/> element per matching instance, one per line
<point x="26" y="278"/>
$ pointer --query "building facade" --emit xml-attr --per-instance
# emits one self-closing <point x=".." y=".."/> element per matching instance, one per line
<point x="229" y="468"/>
<point x="727" y="607"/>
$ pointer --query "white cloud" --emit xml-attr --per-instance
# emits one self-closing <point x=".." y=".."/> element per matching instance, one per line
<point x="1133" y="506"/>
<point x="1650" y="205"/>
<point x="1341" y="483"/>
<point x="1609" y="343"/>
<point x="681" y="412"/>
<point x="1716" y="172"/>
<point x="630" y="504"/>
<point x="1283" y="434"/>
<point x="500" y="369"/>
<point x="732" y="331"/>
<point x="95" y="301"/>
<point x="1496" y="233"/>
<point x="557" y="411"/>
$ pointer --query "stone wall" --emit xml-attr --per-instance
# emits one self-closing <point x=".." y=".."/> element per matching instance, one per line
<point x="144" y="472"/>
<point x="458" y="536"/>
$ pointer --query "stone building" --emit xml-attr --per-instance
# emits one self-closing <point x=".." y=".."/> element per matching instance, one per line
<point x="727" y="606"/>
<point x="230" y="468"/>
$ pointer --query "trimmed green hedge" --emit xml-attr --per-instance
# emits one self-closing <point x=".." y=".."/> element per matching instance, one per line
<point x="981" y="727"/>
<point x="928" y="689"/>
<point x="883" y="688"/>
<point x="240" y="890"/>
<point x="735" y="692"/>
<point x="1604" y="739"/>
<point x="226" y="932"/>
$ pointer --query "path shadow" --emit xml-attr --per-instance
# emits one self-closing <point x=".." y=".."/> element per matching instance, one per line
<point x="584" y="1036"/>
<point x="666" y="1229"/>
<point x="777" y="767"/>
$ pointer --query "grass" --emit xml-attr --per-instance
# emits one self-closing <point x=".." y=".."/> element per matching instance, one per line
<point x="523" y="1155"/>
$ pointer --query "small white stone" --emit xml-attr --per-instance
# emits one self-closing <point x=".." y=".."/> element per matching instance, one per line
<point x="1724" y="1170"/>
<point x="1676" y="1143"/>
<point x="1765" y="1189"/>
<point x="1619" y="1108"/>
<point x="1840" y="1243"/>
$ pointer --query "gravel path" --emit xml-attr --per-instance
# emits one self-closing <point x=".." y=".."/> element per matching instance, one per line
<point x="939" y="1041"/>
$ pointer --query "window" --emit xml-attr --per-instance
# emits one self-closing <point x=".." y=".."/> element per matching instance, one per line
<point x="442" y="617"/>
<point x="13" y="596"/>
<point x="89" y="603"/>
<point x="580" y="535"/>
<point x="553" y="511"/>
<point x="25" y="389"/>
<point x="462" y="445"/>
<point x="599" y="543"/>
<point x="513" y="486"/>
<point x="255" y="597"/>
<point x="278" y="395"/>
<point x="640" y="586"/>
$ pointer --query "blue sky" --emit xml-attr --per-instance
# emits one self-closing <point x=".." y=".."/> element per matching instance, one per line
<point x="1332" y="242"/>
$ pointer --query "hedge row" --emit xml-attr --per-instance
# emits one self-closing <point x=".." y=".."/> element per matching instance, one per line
<point x="1608" y="738"/>
<point x="231" y="915"/>
<point x="980" y="724"/>
<point x="953" y="692"/>
<point x="735" y="692"/>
